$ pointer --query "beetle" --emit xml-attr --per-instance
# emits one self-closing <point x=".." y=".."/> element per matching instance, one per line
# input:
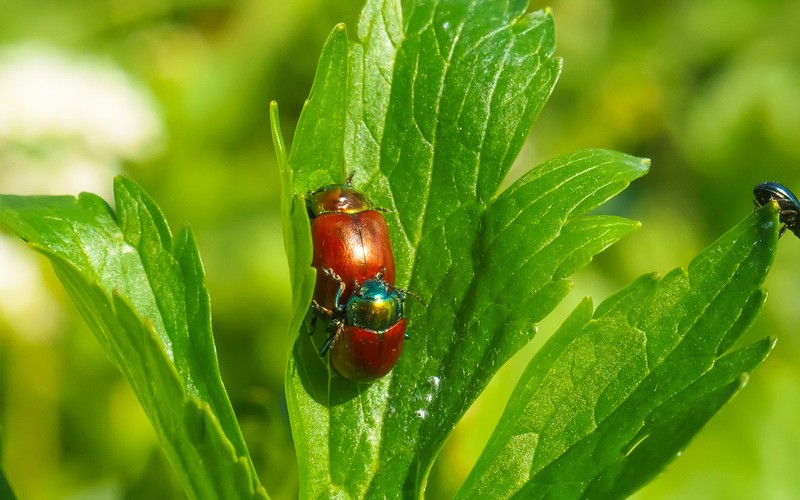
<point x="367" y="332"/>
<point x="351" y="242"/>
<point x="788" y="204"/>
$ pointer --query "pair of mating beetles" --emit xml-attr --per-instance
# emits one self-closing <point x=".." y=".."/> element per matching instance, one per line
<point x="355" y="293"/>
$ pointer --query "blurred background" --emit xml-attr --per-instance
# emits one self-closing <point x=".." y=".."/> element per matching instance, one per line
<point x="174" y="94"/>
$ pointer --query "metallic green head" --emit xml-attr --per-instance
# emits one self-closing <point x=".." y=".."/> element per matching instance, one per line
<point x="375" y="306"/>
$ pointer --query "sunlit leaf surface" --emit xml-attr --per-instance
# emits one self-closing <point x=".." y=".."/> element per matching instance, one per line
<point x="616" y="394"/>
<point x="439" y="101"/>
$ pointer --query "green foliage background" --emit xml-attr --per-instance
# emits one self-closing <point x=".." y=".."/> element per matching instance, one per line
<point x="704" y="89"/>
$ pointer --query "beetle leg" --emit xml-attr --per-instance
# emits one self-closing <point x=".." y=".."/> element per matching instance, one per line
<point x="326" y="347"/>
<point x="312" y="323"/>
<point x="332" y="274"/>
<point x="350" y="176"/>
<point x="338" y="297"/>
<point x="322" y="310"/>
<point x="336" y="327"/>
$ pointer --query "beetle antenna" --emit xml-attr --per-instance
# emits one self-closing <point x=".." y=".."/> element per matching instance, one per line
<point x="416" y="297"/>
<point x="412" y="294"/>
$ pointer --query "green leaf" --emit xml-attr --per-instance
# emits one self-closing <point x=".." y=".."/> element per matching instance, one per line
<point x="143" y="294"/>
<point x="440" y="96"/>
<point x="613" y="397"/>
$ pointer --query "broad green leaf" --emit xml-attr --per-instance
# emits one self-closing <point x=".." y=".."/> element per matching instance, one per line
<point x="143" y="294"/>
<point x="439" y="98"/>
<point x="615" y="395"/>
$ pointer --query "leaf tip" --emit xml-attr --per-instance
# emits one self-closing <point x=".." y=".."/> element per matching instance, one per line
<point x="772" y="340"/>
<point x="639" y="166"/>
<point x="739" y="383"/>
<point x="122" y="185"/>
<point x="274" y="115"/>
<point x="119" y="182"/>
<point x="339" y="33"/>
<point x="645" y="164"/>
<point x="277" y="136"/>
<point x="122" y="181"/>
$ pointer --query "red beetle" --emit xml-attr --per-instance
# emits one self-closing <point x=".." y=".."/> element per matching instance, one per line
<point x="369" y="333"/>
